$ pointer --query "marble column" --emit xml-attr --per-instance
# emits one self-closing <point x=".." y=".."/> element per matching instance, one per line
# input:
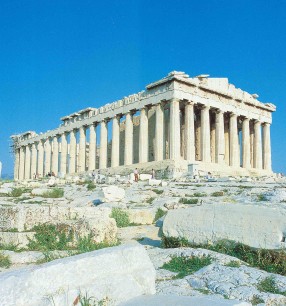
<point x="205" y="134"/>
<point x="246" y="144"/>
<point x="143" y="136"/>
<point x="115" y="152"/>
<point x="190" y="132"/>
<point x="159" y="133"/>
<point x="82" y="149"/>
<point x="64" y="151"/>
<point x="22" y="164"/>
<point x="233" y="141"/>
<point x="128" y="147"/>
<point x="28" y="163"/>
<point x="175" y="137"/>
<point x="47" y="156"/>
<point x="103" y="145"/>
<point x="92" y="147"/>
<point x="219" y="138"/>
<point x="266" y="147"/>
<point x="72" y="161"/>
<point x="55" y="156"/>
<point x="34" y="161"/>
<point x="17" y="163"/>
<point x="257" y="145"/>
<point x="40" y="159"/>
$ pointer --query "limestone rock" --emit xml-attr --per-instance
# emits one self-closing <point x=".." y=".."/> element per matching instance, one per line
<point x="277" y="195"/>
<point x="113" y="193"/>
<point x="141" y="216"/>
<point x="260" y="227"/>
<point x="39" y="191"/>
<point x="145" y="177"/>
<point x="119" y="273"/>
<point x="153" y="182"/>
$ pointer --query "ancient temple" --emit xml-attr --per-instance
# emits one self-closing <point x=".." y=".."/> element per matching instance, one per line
<point x="176" y="121"/>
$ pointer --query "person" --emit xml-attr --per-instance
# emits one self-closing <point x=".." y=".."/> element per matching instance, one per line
<point x="93" y="174"/>
<point x="136" y="175"/>
<point x="153" y="174"/>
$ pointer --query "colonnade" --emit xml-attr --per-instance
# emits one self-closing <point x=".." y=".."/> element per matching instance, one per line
<point x="194" y="132"/>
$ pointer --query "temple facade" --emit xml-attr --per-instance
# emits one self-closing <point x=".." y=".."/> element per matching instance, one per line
<point x="181" y="120"/>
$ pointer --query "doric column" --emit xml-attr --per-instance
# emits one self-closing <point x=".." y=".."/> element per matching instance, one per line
<point x="34" y="161"/>
<point x="64" y="151"/>
<point x="115" y="141"/>
<point x="143" y="136"/>
<point x="266" y="147"/>
<point x="103" y="145"/>
<point x="22" y="164"/>
<point x="28" y="163"/>
<point x="55" y="156"/>
<point x="40" y="159"/>
<point x="219" y="137"/>
<point x="47" y="156"/>
<point x="233" y="141"/>
<point x="17" y="163"/>
<point x="189" y="132"/>
<point x="246" y="144"/>
<point x="82" y="149"/>
<point x="128" y="147"/>
<point x="175" y="137"/>
<point x="257" y="145"/>
<point x="72" y="151"/>
<point x="92" y="147"/>
<point x="159" y="133"/>
<point x="205" y="134"/>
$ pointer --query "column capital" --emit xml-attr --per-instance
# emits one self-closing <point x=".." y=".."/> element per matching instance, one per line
<point x="245" y="119"/>
<point x="189" y="102"/>
<point x="219" y="111"/>
<point x="233" y="115"/>
<point x="266" y="124"/>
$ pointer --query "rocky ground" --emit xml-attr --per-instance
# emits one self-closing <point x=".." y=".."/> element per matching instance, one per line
<point x="92" y="207"/>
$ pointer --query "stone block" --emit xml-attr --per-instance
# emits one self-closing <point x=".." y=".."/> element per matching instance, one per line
<point x="20" y="239"/>
<point x="145" y="177"/>
<point x="113" y="193"/>
<point x="141" y="216"/>
<point x="153" y="182"/>
<point x="164" y="184"/>
<point x="259" y="227"/>
<point x="39" y="191"/>
<point x="119" y="273"/>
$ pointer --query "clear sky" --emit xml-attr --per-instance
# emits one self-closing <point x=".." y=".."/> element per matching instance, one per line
<point x="57" y="57"/>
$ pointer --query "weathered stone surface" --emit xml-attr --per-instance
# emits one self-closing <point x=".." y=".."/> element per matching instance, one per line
<point x="119" y="273"/>
<point x="153" y="182"/>
<point x="261" y="227"/>
<point x="141" y="216"/>
<point x="277" y="195"/>
<point x="145" y="177"/>
<point x="19" y="239"/>
<point x="39" y="191"/>
<point x="171" y="300"/>
<point x="113" y="193"/>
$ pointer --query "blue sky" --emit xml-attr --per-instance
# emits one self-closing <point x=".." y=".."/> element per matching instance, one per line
<point x="57" y="57"/>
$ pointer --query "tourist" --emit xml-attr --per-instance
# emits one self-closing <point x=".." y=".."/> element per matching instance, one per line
<point x="136" y="175"/>
<point x="153" y="174"/>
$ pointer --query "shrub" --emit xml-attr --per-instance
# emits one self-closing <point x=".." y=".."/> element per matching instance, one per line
<point x="16" y="192"/>
<point x="10" y="247"/>
<point x="150" y="200"/>
<point x="261" y="197"/>
<point x="158" y="191"/>
<point x="159" y="214"/>
<point x="188" y="201"/>
<point x="186" y="265"/>
<point x="256" y="300"/>
<point x="5" y="261"/>
<point x="86" y="244"/>
<point x="199" y="194"/>
<point x="121" y="217"/>
<point x="49" y="237"/>
<point x="217" y="194"/>
<point x="268" y="285"/>
<point x="54" y="193"/>
<point x="233" y="264"/>
<point x="90" y="186"/>
<point x="173" y="242"/>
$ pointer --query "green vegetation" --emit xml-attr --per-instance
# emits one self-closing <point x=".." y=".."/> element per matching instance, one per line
<point x="199" y="194"/>
<point x="16" y="192"/>
<point x="186" y="265"/>
<point x="261" y="197"/>
<point x="150" y="200"/>
<point x="86" y="244"/>
<point x="268" y="285"/>
<point x="256" y="300"/>
<point x="50" y="237"/>
<point x="90" y="185"/>
<point x="10" y="247"/>
<point x="5" y="261"/>
<point x="233" y="264"/>
<point x="121" y="217"/>
<point x="158" y="191"/>
<point x="188" y="201"/>
<point x="217" y="194"/>
<point x="85" y="300"/>
<point x="54" y="193"/>
<point x="273" y="261"/>
<point x="159" y="214"/>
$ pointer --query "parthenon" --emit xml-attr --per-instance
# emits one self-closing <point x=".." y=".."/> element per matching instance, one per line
<point x="178" y="119"/>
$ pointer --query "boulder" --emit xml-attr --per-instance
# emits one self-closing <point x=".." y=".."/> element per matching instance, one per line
<point x="276" y="196"/>
<point x="6" y="190"/>
<point x="39" y="191"/>
<point x="259" y="227"/>
<point x="153" y="182"/>
<point x="52" y="182"/>
<point x="118" y="273"/>
<point x="113" y="193"/>
<point x="145" y="177"/>
<point x="141" y="216"/>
